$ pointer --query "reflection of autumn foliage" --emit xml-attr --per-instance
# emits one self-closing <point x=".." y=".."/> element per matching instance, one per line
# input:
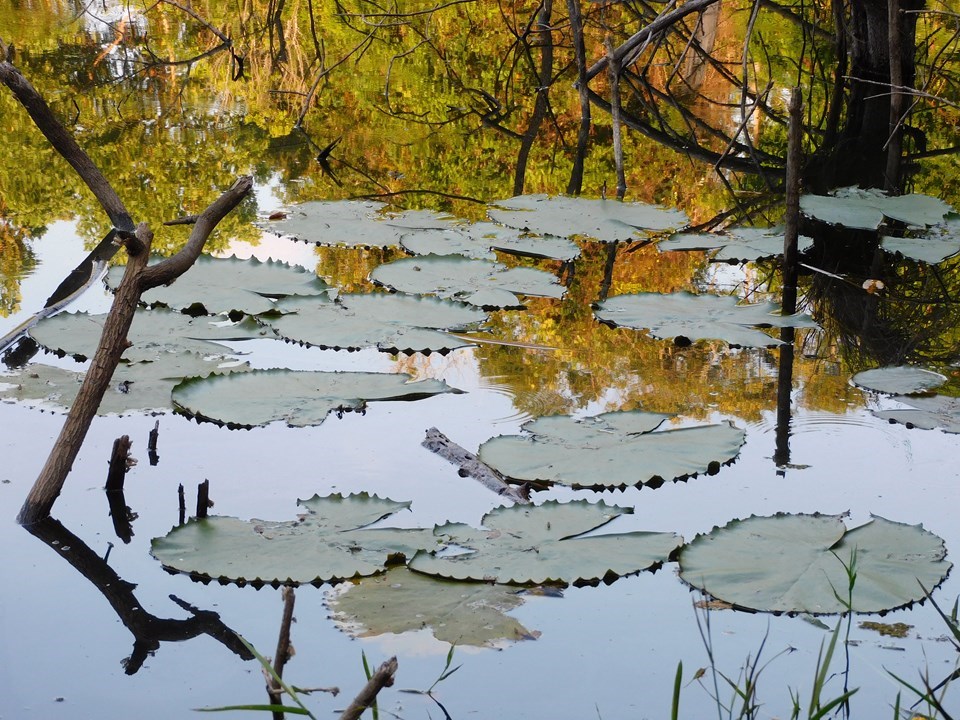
<point x="915" y="319"/>
<point x="349" y="268"/>
<point x="16" y="261"/>
<point x="584" y="364"/>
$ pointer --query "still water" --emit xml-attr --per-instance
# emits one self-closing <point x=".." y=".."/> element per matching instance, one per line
<point x="168" y="141"/>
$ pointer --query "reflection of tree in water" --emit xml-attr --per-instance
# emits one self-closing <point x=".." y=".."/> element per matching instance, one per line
<point x="148" y="630"/>
<point x="914" y="319"/>
<point x="842" y="61"/>
<point x="16" y="261"/>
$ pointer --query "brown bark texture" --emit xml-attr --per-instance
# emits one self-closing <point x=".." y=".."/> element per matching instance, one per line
<point x="137" y="279"/>
<point x="382" y="678"/>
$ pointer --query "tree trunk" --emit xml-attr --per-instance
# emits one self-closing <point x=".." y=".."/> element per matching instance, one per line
<point x="859" y="155"/>
<point x="137" y="279"/>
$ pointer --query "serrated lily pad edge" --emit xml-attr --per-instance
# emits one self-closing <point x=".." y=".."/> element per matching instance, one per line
<point x="742" y="608"/>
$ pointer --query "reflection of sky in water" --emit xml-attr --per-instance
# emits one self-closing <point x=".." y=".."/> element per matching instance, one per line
<point x="595" y="643"/>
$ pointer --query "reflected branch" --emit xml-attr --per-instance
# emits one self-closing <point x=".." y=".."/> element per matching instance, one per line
<point x="149" y="631"/>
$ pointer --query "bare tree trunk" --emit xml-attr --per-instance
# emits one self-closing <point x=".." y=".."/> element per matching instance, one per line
<point x="895" y="141"/>
<point x="792" y="227"/>
<point x="583" y="134"/>
<point x="137" y="279"/>
<point x="542" y="101"/>
<point x="613" y="67"/>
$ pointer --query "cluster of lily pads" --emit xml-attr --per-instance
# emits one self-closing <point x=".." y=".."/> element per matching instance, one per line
<point x="438" y="296"/>
<point x="781" y="564"/>
<point x="916" y="226"/>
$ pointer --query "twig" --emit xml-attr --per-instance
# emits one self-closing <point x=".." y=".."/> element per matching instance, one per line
<point x="283" y="645"/>
<point x="63" y="141"/>
<point x="639" y="38"/>
<point x="382" y="678"/>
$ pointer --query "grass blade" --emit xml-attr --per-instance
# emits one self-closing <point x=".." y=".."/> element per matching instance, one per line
<point x="263" y="708"/>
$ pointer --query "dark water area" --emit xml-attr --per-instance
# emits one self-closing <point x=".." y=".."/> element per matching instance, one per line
<point x="438" y="110"/>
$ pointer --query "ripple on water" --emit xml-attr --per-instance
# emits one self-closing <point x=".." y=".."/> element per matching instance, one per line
<point x="527" y="404"/>
<point x="820" y="422"/>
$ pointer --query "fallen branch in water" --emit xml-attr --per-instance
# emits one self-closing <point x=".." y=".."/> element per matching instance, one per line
<point x="472" y="466"/>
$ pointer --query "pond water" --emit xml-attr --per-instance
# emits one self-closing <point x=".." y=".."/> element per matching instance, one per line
<point x="170" y="141"/>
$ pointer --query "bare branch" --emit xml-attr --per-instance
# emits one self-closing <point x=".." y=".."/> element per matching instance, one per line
<point x="64" y="143"/>
<point x="382" y="678"/>
<point x="170" y="269"/>
<point x="639" y="38"/>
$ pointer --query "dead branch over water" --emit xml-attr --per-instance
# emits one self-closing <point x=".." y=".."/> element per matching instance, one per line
<point x="137" y="279"/>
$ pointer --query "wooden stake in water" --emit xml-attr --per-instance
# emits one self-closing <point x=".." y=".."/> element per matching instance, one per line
<point x="781" y="455"/>
<point x="791" y="233"/>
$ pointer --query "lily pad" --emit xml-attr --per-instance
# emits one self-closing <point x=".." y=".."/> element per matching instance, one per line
<point x="927" y="413"/>
<point x="327" y="543"/>
<point x="353" y="223"/>
<point x="798" y="563"/>
<point x="480" y="239"/>
<point x="524" y="544"/>
<point x="899" y="380"/>
<point x="224" y="285"/>
<point x="390" y="322"/>
<point x="932" y="246"/>
<point x="479" y="282"/>
<point x="866" y="209"/>
<point x="135" y="386"/>
<point x="611" y="450"/>
<point x="692" y="317"/>
<point x="298" y="398"/>
<point x="401" y="601"/>
<point x="153" y="335"/>
<point x="736" y="244"/>
<point x="605" y="220"/>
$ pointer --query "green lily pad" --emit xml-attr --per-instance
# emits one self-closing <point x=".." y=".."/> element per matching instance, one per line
<point x="137" y="386"/>
<point x="796" y="563"/>
<point x="611" y="450"/>
<point x="698" y="317"/>
<point x="224" y="285"/>
<point x="524" y="544"/>
<point x="866" y="209"/>
<point x="604" y="220"/>
<point x="736" y="244"/>
<point x="401" y="601"/>
<point x="927" y="413"/>
<point x="298" y="398"/>
<point x="900" y="380"/>
<point x="327" y="543"/>
<point x="479" y="282"/>
<point x="933" y="245"/>
<point x="390" y="322"/>
<point x="478" y="241"/>
<point x="153" y="335"/>
<point x="353" y="223"/>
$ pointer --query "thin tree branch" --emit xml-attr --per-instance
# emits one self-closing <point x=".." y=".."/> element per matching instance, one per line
<point x="65" y="144"/>
<point x="382" y="678"/>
